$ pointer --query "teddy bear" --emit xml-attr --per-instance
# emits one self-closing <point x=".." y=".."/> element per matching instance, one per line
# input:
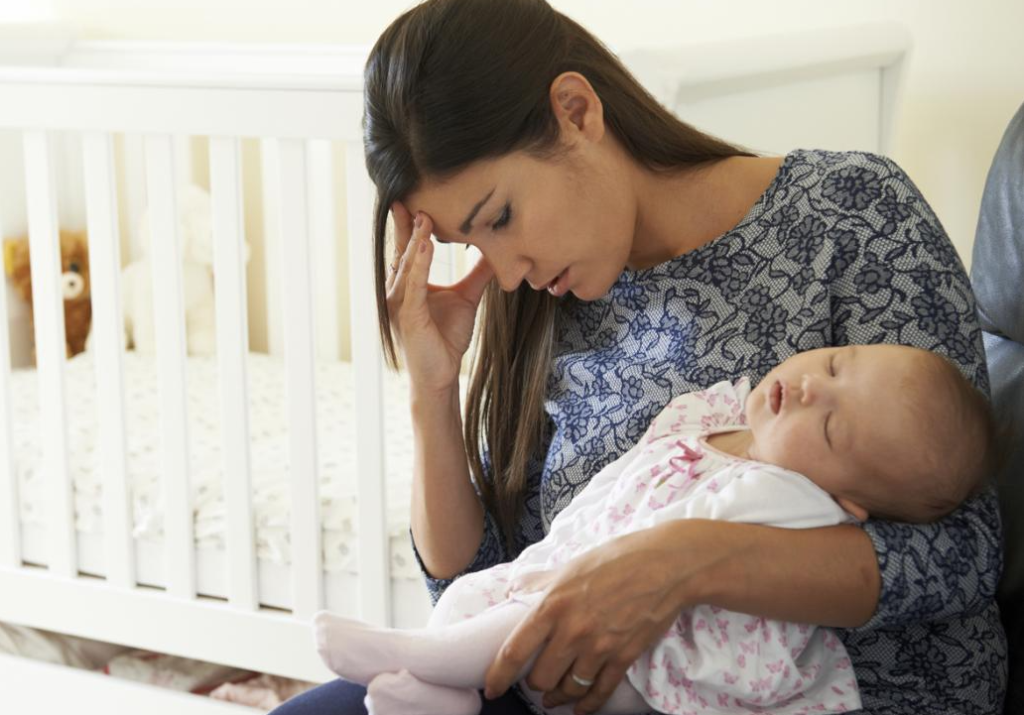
<point x="195" y="237"/>
<point x="74" y="282"/>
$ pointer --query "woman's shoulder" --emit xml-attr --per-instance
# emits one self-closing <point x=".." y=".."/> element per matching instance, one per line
<point x="843" y="189"/>
<point x="838" y="172"/>
<point x="826" y="160"/>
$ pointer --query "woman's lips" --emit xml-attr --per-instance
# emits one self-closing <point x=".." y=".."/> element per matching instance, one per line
<point x="557" y="286"/>
<point x="775" y="397"/>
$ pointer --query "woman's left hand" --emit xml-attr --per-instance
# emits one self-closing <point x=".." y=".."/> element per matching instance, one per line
<point x="602" y="610"/>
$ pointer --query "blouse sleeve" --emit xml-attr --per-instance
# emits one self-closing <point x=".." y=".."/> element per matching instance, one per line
<point x="904" y="283"/>
<point x="490" y="553"/>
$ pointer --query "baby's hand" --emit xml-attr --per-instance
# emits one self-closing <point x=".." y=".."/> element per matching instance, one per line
<point x="532" y="582"/>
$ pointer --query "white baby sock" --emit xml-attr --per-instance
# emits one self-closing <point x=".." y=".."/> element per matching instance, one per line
<point x="402" y="693"/>
<point x="456" y="655"/>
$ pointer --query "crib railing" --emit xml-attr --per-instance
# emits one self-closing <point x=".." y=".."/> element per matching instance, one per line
<point x="297" y="118"/>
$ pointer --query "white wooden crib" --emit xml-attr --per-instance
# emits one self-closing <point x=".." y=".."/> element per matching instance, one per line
<point x="828" y="90"/>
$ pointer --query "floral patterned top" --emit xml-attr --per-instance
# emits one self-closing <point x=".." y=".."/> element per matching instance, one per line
<point x="840" y="249"/>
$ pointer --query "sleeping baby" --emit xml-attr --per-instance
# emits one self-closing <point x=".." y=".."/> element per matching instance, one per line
<point x="830" y="436"/>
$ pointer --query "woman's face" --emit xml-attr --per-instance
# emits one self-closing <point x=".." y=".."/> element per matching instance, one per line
<point x="561" y="225"/>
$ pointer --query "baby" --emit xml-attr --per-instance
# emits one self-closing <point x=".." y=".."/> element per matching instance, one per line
<point x="828" y="437"/>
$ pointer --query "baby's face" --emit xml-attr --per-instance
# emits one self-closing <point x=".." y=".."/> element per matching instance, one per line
<point x="837" y="415"/>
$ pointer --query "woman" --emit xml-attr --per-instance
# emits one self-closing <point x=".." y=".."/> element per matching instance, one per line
<point x="627" y="259"/>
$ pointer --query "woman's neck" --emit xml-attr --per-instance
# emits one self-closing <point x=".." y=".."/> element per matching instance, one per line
<point x="682" y="211"/>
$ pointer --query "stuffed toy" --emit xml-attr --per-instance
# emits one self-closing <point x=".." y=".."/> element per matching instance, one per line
<point x="74" y="258"/>
<point x="195" y="236"/>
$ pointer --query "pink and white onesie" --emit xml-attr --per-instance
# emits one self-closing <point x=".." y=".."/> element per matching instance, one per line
<point x="710" y="660"/>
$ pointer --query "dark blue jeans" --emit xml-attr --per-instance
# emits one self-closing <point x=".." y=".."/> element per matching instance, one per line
<point x="340" y="697"/>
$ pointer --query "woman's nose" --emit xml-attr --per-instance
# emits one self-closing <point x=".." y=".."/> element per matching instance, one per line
<point x="508" y="280"/>
<point x="509" y="271"/>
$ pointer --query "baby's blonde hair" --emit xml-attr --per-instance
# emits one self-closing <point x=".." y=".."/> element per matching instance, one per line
<point x="959" y="452"/>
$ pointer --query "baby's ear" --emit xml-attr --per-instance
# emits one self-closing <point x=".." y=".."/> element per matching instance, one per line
<point x="858" y="512"/>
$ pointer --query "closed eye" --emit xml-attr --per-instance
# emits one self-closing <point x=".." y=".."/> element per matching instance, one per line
<point x="501" y="222"/>
<point x="503" y="219"/>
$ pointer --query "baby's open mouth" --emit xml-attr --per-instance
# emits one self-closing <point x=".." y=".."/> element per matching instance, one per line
<point x="775" y="397"/>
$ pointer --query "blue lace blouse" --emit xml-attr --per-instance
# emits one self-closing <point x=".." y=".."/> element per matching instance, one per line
<point x="841" y="248"/>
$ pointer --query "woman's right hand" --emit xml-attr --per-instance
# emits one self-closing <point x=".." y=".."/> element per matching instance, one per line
<point x="433" y="324"/>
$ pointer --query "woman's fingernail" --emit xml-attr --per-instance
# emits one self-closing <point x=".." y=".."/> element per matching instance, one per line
<point x="419" y="220"/>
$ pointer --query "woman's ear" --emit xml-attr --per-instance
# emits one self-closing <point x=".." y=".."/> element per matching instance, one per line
<point x="577" y="107"/>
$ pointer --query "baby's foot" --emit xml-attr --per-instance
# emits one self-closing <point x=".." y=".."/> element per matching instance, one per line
<point x="402" y="693"/>
<point x="355" y="650"/>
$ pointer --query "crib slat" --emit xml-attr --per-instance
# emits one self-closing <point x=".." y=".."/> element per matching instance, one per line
<point x="270" y="168"/>
<point x="232" y="355"/>
<point x="374" y="554"/>
<point x="169" y="319"/>
<point x="48" y="303"/>
<point x="10" y="532"/>
<point x="325" y="248"/>
<point x="108" y="332"/>
<point x="306" y="556"/>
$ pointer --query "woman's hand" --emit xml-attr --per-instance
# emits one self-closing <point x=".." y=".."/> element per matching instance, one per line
<point x="603" y="609"/>
<point x="433" y="324"/>
<point x="607" y="606"/>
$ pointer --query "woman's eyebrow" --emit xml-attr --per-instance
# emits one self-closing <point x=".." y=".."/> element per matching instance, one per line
<point x="467" y="225"/>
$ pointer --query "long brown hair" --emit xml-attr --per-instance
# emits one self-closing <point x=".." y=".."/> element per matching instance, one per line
<point x="452" y="82"/>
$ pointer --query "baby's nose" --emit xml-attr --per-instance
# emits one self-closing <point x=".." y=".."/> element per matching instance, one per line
<point x="815" y="390"/>
<point x="806" y="389"/>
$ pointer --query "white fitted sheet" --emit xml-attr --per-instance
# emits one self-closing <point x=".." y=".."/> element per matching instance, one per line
<point x="269" y="433"/>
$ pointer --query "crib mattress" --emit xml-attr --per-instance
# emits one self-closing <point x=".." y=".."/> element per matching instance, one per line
<point x="269" y="459"/>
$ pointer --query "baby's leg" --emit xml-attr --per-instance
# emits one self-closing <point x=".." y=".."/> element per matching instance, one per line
<point x="445" y="665"/>
<point x="456" y="655"/>
<point x="403" y="694"/>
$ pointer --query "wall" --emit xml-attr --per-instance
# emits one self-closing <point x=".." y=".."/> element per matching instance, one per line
<point x="964" y="81"/>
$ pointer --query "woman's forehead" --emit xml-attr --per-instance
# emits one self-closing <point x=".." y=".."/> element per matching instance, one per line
<point x="467" y="180"/>
<point x="454" y="202"/>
